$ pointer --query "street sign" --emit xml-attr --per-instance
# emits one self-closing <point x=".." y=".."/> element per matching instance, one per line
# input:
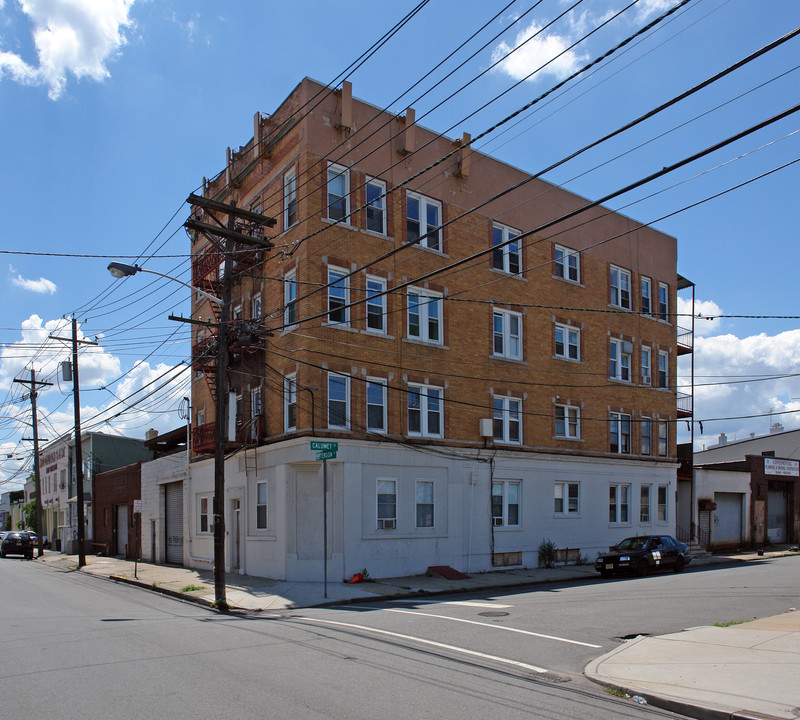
<point x="324" y="445"/>
<point x="326" y="455"/>
<point x="137" y="506"/>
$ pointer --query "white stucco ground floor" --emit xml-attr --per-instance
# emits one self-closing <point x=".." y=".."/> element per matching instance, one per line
<point x="395" y="511"/>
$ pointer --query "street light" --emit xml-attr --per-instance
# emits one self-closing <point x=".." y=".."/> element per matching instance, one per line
<point x="121" y="270"/>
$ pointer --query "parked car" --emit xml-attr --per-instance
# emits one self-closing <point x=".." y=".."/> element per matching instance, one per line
<point x="642" y="554"/>
<point x="17" y="543"/>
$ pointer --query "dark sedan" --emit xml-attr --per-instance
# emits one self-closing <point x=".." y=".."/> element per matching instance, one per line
<point x="642" y="554"/>
<point x="17" y="543"/>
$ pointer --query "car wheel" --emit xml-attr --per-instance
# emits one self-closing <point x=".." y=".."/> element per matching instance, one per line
<point x="642" y="568"/>
<point x="680" y="563"/>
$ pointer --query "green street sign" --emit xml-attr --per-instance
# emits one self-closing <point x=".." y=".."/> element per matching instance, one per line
<point x="327" y="455"/>
<point x="324" y="445"/>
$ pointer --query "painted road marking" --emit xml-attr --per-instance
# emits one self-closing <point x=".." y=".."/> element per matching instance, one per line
<point x="423" y="641"/>
<point x="464" y="603"/>
<point x="483" y="624"/>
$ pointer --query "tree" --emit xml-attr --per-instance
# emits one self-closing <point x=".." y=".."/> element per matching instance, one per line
<point x="28" y="515"/>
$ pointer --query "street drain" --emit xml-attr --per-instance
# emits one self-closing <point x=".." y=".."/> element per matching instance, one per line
<point x="632" y="636"/>
<point x="552" y="677"/>
<point x="493" y="613"/>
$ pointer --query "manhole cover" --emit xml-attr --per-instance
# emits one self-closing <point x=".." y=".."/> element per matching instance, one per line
<point x="493" y="613"/>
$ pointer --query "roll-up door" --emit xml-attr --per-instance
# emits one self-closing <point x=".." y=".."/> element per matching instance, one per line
<point x="173" y="495"/>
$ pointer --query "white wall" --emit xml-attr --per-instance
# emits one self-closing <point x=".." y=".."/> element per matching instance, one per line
<point x="156" y="474"/>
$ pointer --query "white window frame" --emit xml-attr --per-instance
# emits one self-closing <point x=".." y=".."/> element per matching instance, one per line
<point x="570" y="502"/>
<point x="570" y="339"/>
<point x="619" y="425"/>
<point x="663" y="438"/>
<point x="255" y="307"/>
<point x="337" y="380"/>
<point x="619" y="504"/>
<point x="645" y="504"/>
<point x="506" y="257"/>
<point x="372" y="385"/>
<point x="261" y="505"/>
<point x="620" y="287"/>
<point x="289" y="402"/>
<point x="507" y="418"/>
<point x="620" y="354"/>
<point x="335" y="172"/>
<point x="376" y="286"/>
<point x="647" y="295"/>
<point x="422" y="501"/>
<point x="386" y="511"/>
<point x="428" y="307"/>
<point x="289" y="199"/>
<point x="646" y="435"/>
<point x="431" y="404"/>
<point x="567" y="263"/>
<point x="569" y="418"/>
<point x="646" y="363"/>
<point x="505" y="343"/>
<point x="375" y="206"/>
<point x="434" y="241"/>
<point x="662" y="508"/>
<point x="663" y="369"/>
<point x="338" y="295"/>
<point x="663" y="302"/>
<point x="256" y="408"/>
<point x="507" y="508"/>
<point x="290" y="298"/>
<point x="205" y="510"/>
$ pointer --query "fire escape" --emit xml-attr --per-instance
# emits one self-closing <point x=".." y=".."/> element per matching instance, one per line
<point x="685" y="411"/>
<point x="239" y="232"/>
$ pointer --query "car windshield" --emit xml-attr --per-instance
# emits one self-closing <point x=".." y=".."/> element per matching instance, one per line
<point x="634" y="543"/>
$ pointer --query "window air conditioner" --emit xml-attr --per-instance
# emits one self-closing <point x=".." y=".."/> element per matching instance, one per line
<point x="497" y="521"/>
<point x="387" y="524"/>
<point x="645" y="379"/>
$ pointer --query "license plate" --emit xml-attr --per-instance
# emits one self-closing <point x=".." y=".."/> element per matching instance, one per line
<point x="609" y="566"/>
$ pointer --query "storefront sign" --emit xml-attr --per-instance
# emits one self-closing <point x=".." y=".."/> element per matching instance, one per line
<point x="786" y="468"/>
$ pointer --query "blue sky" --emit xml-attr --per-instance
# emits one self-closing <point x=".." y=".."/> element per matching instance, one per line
<point x="114" y="110"/>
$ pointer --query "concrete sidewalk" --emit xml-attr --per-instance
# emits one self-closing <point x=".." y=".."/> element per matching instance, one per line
<point x="743" y="671"/>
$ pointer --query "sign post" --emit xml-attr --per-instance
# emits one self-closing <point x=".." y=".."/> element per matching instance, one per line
<point x="326" y="450"/>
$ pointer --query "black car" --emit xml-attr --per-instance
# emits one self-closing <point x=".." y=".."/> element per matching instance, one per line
<point x="17" y="543"/>
<point x="642" y="554"/>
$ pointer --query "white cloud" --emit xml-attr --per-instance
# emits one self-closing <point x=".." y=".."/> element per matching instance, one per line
<point x="72" y="37"/>
<point x="708" y="310"/>
<point x="42" y="285"/>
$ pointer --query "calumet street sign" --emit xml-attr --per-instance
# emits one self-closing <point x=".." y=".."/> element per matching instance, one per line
<point x="326" y="450"/>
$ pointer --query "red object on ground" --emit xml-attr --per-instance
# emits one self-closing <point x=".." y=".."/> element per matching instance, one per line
<point x="357" y="578"/>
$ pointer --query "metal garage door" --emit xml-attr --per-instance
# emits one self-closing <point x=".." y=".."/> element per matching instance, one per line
<point x="777" y="507"/>
<point x="122" y="530"/>
<point x="728" y="518"/>
<point x="173" y="497"/>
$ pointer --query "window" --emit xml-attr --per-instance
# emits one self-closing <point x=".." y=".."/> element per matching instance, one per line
<point x="290" y="298"/>
<point x="644" y="504"/>
<point x="423" y="220"/>
<point x="618" y="503"/>
<point x="661" y="505"/>
<point x="647" y="295"/>
<point x="568" y="342"/>
<point x="620" y="287"/>
<point x="255" y="307"/>
<point x="663" y="369"/>
<point x="507" y="420"/>
<point x="376" y="405"/>
<point x="256" y="405"/>
<point x="203" y="525"/>
<point x="566" y="498"/>
<point x="289" y="403"/>
<point x="289" y="199"/>
<point x="376" y="206"/>
<point x="338" y="401"/>
<point x="425" y="315"/>
<point x="507" y="334"/>
<point x="620" y="433"/>
<point x="201" y="417"/>
<point x="663" y="436"/>
<point x="619" y="360"/>
<point x="506" y="257"/>
<point x="376" y="304"/>
<point x="568" y="421"/>
<point x="261" y="506"/>
<point x="424" y="410"/>
<point x="647" y="436"/>
<point x="236" y="314"/>
<point x="387" y="504"/>
<point x="663" y="301"/>
<point x="338" y="192"/>
<point x="338" y="296"/>
<point x="646" y="365"/>
<point x="424" y="498"/>
<point x="505" y="503"/>
<point x="567" y="264"/>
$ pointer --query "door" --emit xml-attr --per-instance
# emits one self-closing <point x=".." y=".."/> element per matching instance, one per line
<point x="173" y="525"/>
<point x="728" y="518"/>
<point x="236" y="534"/>
<point x="777" y="507"/>
<point x="122" y="530"/>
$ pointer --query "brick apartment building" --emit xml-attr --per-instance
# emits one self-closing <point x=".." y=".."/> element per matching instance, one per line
<point x="527" y="393"/>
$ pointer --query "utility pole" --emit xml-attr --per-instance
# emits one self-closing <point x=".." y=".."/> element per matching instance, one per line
<point x="224" y="236"/>
<point x="76" y="401"/>
<point x="37" y="479"/>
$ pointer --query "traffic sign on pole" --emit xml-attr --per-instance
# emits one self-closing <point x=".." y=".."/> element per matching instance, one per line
<point x="326" y="455"/>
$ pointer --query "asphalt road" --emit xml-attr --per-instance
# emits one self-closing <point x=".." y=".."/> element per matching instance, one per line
<point x="75" y="646"/>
